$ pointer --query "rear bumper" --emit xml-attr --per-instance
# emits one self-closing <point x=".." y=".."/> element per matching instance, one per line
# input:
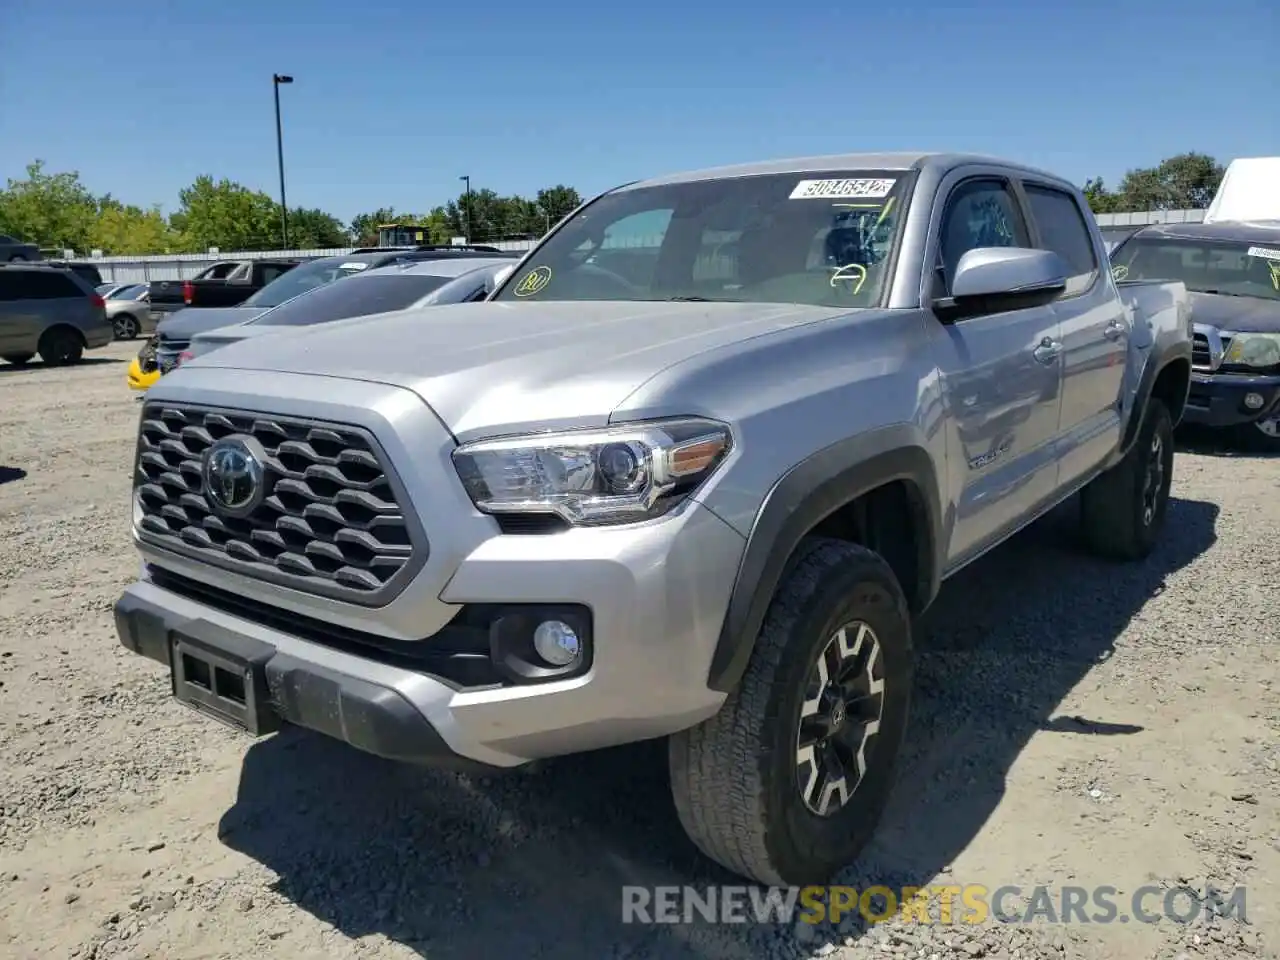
<point x="99" y="336"/>
<point x="1218" y="399"/>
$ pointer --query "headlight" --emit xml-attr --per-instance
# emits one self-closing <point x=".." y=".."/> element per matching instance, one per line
<point x="1254" y="350"/>
<point x="613" y="475"/>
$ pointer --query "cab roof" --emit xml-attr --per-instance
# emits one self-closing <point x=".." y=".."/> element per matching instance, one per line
<point x="904" y="161"/>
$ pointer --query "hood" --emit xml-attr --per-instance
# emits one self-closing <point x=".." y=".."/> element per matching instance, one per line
<point x="1237" y="314"/>
<point x="186" y="323"/>
<point x="490" y="368"/>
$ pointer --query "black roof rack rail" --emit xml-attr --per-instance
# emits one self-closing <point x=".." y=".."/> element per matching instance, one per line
<point x="478" y="247"/>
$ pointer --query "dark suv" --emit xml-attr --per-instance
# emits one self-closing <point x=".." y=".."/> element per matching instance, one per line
<point x="52" y="312"/>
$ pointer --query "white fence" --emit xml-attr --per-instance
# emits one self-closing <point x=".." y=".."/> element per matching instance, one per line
<point x="181" y="266"/>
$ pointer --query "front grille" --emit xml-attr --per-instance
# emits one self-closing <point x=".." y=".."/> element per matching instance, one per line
<point x="330" y="522"/>
<point x="1200" y="357"/>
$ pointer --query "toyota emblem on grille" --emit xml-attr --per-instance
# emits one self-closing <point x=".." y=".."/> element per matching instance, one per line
<point x="234" y="480"/>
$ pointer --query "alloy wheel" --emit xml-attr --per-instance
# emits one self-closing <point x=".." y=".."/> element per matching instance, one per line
<point x="839" y="718"/>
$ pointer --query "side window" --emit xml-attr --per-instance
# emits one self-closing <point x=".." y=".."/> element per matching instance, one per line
<point x="40" y="285"/>
<point x="269" y="274"/>
<point x="220" y="271"/>
<point x="1063" y="230"/>
<point x="980" y="213"/>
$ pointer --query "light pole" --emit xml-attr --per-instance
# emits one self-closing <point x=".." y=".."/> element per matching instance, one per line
<point x="467" y="232"/>
<point x="276" y="80"/>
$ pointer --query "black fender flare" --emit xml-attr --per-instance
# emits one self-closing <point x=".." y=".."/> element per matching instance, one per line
<point x="802" y="498"/>
<point x="1142" y="396"/>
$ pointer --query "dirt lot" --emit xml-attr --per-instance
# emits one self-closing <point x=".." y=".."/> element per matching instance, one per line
<point x="1077" y="724"/>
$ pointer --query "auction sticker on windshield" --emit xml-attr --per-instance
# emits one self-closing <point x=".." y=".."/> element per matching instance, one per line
<point x="1264" y="253"/>
<point x="535" y="281"/>
<point x="842" y="189"/>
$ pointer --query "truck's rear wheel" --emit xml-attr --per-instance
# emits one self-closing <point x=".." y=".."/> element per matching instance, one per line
<point x="786" y="783"/>
<point x="1124" y="509"/>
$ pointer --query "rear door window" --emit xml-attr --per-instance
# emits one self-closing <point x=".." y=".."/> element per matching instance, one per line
<point x="37" y="285"/>
<point x="1063" y="230"/>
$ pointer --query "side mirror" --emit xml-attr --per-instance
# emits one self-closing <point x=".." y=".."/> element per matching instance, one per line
<point x="494" y="282"/>
<point x="996" y="279"/>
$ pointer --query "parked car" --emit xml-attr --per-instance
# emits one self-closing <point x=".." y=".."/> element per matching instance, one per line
<point x="13" y="250"/>
<point x="1233" y="273"/>
<point x="705" y="502"/>
<point x="54" y="313"/>
<point x="106" y="289"/>
<point x="400" y="286"/>
<point x="127" y="309"/>
<point x="174" y="335"/>
<point x="225" y="284"/>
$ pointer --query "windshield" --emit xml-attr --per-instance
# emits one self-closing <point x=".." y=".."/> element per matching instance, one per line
<point x="1230" y="267"/>
<point x="356" y="299"/>
<point x="131" y="292"/>
<point x="304" y="277"/>
<point x="824" y="239"/>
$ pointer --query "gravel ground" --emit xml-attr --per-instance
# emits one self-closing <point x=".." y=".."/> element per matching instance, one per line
<point x="1077" y="724"/>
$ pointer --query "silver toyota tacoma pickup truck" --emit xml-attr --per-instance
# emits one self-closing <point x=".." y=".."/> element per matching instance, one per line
<point x="690" y="472"/>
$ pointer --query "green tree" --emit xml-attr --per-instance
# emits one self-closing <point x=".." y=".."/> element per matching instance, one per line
<point x="1101" y="200"/>
<point x="556" y="203"/>
<point x="121" y="229"/>
<point x="49" y="209"/>
<point x="312" y="229"/>
<point x="364" y="227"/>
<point x="1185" y="181"/>
<point x="227" y="215"/>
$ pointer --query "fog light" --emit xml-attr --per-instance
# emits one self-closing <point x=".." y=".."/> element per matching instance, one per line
<point x="556" y="643"/>
<point x="1253" y="401"/>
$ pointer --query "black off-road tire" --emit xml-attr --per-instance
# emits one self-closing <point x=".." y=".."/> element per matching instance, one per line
<point x="60" y="347"/>
<point x="17" y="359"/>
<point x="734" y="777"/>
<point x="1119" y="521"/>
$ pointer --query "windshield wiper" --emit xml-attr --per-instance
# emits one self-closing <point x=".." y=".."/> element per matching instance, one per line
<point x="693" y="300"/>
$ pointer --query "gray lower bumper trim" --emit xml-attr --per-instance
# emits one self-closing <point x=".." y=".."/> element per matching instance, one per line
<point x="367" y="716"/>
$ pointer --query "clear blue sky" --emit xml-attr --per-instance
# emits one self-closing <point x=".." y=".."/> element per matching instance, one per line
<point x="394" y="101"/>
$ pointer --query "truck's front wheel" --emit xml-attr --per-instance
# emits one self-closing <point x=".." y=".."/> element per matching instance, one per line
<point x="786" y="783"/>
<point x="1123" y="510"/>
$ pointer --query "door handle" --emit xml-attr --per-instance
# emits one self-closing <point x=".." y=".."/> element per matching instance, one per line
<point x="1114" y="330"/>
<point x="1047" y="351"/>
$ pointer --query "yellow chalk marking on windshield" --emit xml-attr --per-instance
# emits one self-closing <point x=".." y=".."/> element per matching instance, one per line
<point x="885" y="212"/>
<point x="533" y="282"/>
<point x="1275" y="274"/>
<point x="855" y="279"/>
<point x="1119" y="271"/>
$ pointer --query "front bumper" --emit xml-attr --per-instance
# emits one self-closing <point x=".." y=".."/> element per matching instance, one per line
<point x="655" y="593"/>
<point x="1217" y="399"/>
